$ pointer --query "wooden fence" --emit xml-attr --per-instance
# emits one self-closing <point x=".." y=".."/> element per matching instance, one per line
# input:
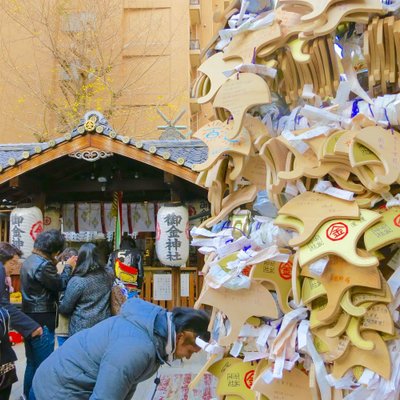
<point x="194" y="286"/>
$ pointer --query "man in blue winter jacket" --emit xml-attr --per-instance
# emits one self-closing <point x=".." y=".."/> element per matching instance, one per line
<point x="108" y="360"/>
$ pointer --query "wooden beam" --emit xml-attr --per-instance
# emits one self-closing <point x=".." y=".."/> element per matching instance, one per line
<point x="47" y="156"/>
<point x="14" y="182"/>
<point x="125" y="185"/>
<point x="177" y="189"/>
<point x="27" y="184"/>
<point x="39" y="200"/>
<point x="115" y="146"/>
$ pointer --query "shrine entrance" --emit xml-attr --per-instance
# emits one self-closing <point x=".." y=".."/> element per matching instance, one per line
<point x="73" y="180"/>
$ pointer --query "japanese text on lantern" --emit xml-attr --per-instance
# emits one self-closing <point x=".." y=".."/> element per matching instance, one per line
<point x="17" y="221"/>
<point x="173" y="244"/>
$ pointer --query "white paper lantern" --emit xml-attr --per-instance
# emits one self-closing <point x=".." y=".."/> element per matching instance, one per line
<point x="51" y="219"/>
<point x="25" y="226"/>
<point x="172" y="235"/>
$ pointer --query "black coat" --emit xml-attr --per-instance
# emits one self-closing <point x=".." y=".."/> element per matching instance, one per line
<point x="41" y="284"/>
<point x="18" y="320"/>
<point x="7" y="354"/>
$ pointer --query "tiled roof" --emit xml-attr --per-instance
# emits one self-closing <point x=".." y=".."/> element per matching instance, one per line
<point x="182" y="152"/>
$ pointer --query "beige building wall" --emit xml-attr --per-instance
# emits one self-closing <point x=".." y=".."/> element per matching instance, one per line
<point x="153" y="48"/>
<point x="150" y="63"/>
<point x="25" y="74"/>
<point x="203" y="29"/>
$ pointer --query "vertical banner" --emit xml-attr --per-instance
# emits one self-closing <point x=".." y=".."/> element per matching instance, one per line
<point x="68" y="216"/>
<point x="117" y="212"/>
<point x="142" y="217"/>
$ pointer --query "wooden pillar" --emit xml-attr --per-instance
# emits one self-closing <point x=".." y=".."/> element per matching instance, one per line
<point x="39" y="200"/>
<point x="176" y="286"/>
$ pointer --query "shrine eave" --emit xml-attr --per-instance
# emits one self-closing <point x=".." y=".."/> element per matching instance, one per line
<point x="93" y="132"/>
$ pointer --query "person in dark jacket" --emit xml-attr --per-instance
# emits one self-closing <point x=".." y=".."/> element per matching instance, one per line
<point x="11" y="315"/>
<point x="110" y="359"/>
<point x="8" y="374"/>
<point x="40" y="287"/>
<point x="87" y="296"/>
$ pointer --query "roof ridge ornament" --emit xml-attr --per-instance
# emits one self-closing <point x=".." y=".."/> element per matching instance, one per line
<point x="93" y="122"/>
<point x="90" y="155"/>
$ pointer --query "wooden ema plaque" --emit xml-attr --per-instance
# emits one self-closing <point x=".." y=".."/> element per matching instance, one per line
<point x="367" y="199"/>
<point x="353" y="333"/>
<point x="239" y="306"/>
<point x="347" y="305"/>
<point x="258" y="131"/>
<point x="305" y="164"/>
<point x="280" y="275"/>
<point x="235" y="379"/>
<point x="325" y="150"/>
<point x="367" y="174"/>
<point x="238" y="162"/>
<point x="219" y="367"/>
<point x="385" y="232"/>
<point x="238" y="95"/>
<point x="255" y="172"/>
<point x="293" y="385"/>
<point x="386" y="145"/>
<point x="340" y="237"/>
<point x="318" y="8"/>
<point x="245" y="195"/>
<point x="216" y="136"/>
<point x="318" y="305"/>
<point x="291" y="26"/>
<point x="338" y="277"/>
<point x="311" y="290"/>
<point x="335" y="15"/>
<point x="339" y="326"/>
<point x="360" y="295"/>
<point x="274" y="157"/>
<point x="296" y="284"/>
<point x="330" y="348"/>
<point x="377" y="359"/>
<point x="214" y="67"/>
<point x="285" y="221"/>
<point x="200" y="87"/>
<point x="215" y="182"/>
<point x="361" y="155"/>
<point x="378" y="318"/>
<point x="314" y="209"/>
<point x="346" y="184"/>
<point x="247" y="43"/>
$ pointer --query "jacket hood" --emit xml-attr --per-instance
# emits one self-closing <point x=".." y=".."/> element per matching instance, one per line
<point x="145" y="315"/>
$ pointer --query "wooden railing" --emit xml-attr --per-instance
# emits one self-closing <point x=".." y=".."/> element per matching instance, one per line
<point x="195" y="285"/>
